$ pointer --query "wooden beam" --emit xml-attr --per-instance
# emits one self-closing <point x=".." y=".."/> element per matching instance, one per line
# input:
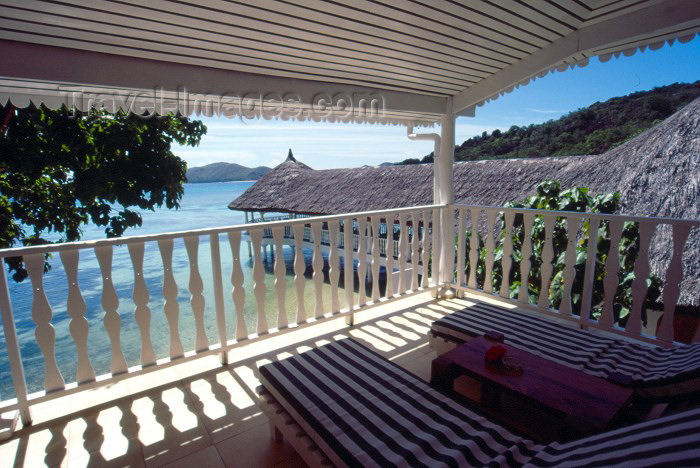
<point x="653" y="21"/>
<point x="27" y="61"/>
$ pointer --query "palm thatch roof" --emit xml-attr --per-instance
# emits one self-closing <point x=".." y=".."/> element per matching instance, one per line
<point x="657" y="174"/>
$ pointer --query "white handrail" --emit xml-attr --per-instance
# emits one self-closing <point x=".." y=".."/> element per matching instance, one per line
<point x="174" y="310"/>
<point x="48" y="248"/>
<point x="584" y="214"/>
<point x="648" y="226"/>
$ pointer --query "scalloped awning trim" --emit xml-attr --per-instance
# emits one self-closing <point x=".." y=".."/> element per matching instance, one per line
<point x="23" y="93"/>
<point x="604" y="55"/>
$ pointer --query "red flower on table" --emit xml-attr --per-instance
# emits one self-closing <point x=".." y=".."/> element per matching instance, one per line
<point x="495" y="353"/>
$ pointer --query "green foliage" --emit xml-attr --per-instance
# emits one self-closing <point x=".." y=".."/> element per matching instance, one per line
<point x="592" y="130"/>
<point x="60" y="170"/>
<point x="549" y="196"/>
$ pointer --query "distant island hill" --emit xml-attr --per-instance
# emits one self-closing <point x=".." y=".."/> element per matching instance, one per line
<point x="656" y="173"/>
<point x="224" y="172"/>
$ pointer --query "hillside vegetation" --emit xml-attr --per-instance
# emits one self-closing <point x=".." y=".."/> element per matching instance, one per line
<point x="225" y="172"/>
<point x="591" y="130"/>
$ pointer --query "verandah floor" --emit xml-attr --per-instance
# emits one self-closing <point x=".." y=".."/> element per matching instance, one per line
<point x="200" y="413"/>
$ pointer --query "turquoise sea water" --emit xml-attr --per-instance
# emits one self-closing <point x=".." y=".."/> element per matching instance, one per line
<point x="203" y="206"/>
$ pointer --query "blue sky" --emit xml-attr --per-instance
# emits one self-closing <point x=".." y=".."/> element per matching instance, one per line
<point x="324" y="145"/>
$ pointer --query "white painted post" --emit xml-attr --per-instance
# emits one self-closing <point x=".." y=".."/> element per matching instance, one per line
<point x="77" y="309"/>
<point x="218" y="294"/>
<point x="334" y="264"/>
<point x="437" y="181"/>
<point x="674" y="276"/>
<point x="507" y="261"/>
<point x="390" y="252"/>
<point x="490" y="247"/>
<point x="171" y="309"/>
<point x="237" y="291"/>
<point x="280" y="270"/>
<point x="445" y="189"/>
<point x="348" y="255"/>
<point x="110" y="304"/>
<point x="12" y="347"/>
<point x="142" y="313"/>
<point x="259" y="287"/>
<point x="299" y="269"/>
<point x="196" y="287"/>
<point x="317" y="264"/>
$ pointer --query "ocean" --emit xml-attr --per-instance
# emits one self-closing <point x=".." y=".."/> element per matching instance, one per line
<point x="202" y="206"/>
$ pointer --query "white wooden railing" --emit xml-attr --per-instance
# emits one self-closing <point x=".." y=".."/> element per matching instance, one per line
<point x="489" y="223"/>
<point x="343" y="303"/>
<point x="248" y="318"/>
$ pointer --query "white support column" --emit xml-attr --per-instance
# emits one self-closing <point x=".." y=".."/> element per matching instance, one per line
<point x="445" y="190"/>
<point x="436" y="178"/>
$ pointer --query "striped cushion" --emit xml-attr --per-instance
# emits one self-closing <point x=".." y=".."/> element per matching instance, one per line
<point x="592" y="353"/>
<point x="552" y="340"/>
<point x="670" y="441"/>
<point x="651" y="365"/>
<point x="363" y="410"/>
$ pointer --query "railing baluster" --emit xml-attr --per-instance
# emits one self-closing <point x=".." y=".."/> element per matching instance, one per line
<point x="299" y="269"/>
<point x="461" y="246"/>
<point x="414" y="251"/>
<point x="525" y="263"/>
<point x="425" y="249"/>
<point x="238" y="292"/>
<point x="110" y="304"/>
<point x="390" y="252"/>
<point x="41" y="314"/>
<point x="403" y="248"/>
<point x="218" y="280"/>
<point x="436" y="241"/>
<point x="507" y="262"/>
<point x="259" y="288"/>
<point x="317" y="263"/>
<point x="375" y="258"/>
<point x="280" y="276"/>
<point x="140" y="295"/>
<point x="641" y="272"/>
<point x="76" y="309"/>
<point x="362" y="261"/>
<point x="674" y="276"/>
<point x="196" y="287"/>
<point x="474" y="248"/>
<point x="348" y="282"/>
<point x="171" y="309"/>
<point x="490" y="246"/>
<point x="589" y="274"/>
<point x="612" y="267"/>
<point x="547" y="258"/>
<point x="12" y="347"/>
<point x="334" y="264"/>
<point x="571" y="226"/>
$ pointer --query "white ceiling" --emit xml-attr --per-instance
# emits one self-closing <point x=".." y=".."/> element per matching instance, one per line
<point x="470" y="50"/>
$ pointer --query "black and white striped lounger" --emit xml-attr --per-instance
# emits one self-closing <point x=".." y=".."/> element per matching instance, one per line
<point x="345" y="405"/>
<point x="653" y="371"/>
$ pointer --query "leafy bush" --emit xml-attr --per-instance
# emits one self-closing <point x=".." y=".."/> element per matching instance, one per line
<point x="550" y="196"/>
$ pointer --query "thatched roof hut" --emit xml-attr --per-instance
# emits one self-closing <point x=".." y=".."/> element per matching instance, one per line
<point x="657" y="173"/>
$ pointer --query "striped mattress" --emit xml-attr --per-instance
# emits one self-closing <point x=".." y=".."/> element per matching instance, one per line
<point x="363" y="410"/>
<point x="639" y="365"/>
